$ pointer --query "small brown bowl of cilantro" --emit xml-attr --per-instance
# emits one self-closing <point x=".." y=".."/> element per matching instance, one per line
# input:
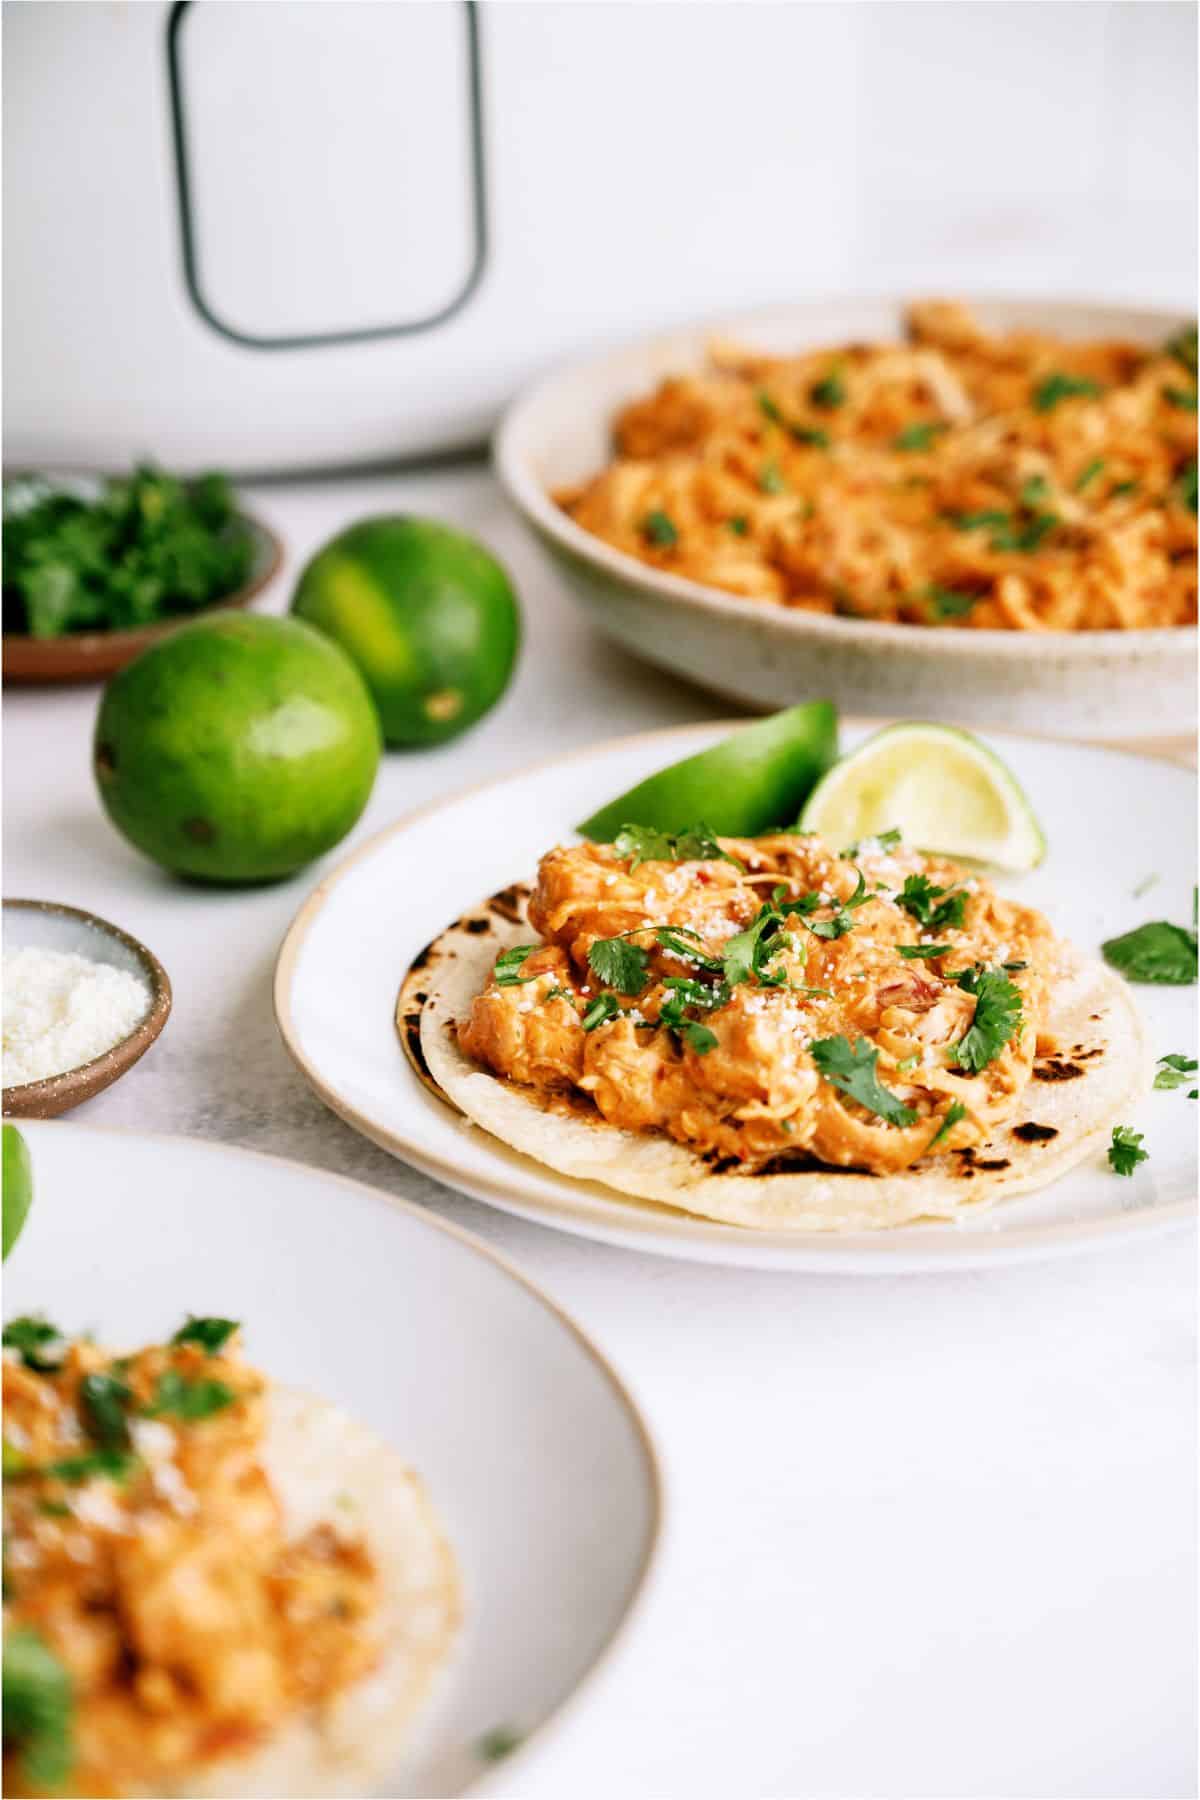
<point x="96" y="569"/>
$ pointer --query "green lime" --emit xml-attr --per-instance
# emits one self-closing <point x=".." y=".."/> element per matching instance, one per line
<point x="237" y="749"/>
<point x="757" y="778"/>
<point x="427" y="614"/>
<point x="940" y="788"/>
<point x="18" y="1186"/>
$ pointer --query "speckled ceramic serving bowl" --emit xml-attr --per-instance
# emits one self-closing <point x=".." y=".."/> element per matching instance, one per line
<point x="51" y="926"/>
<point x="1112" y="684"/>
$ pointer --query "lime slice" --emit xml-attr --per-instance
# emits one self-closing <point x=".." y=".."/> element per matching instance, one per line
<point x="941" y="789"/>
<point x="750" y="781"/>
<point x="18" y="1185"/>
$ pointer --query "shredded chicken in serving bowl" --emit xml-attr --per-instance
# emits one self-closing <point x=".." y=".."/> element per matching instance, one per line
<point x="1022" y="482"/>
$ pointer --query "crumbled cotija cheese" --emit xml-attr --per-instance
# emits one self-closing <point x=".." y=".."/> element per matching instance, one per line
<point x="61" y="1010"/>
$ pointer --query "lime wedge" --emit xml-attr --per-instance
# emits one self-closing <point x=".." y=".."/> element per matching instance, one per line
<point x="18" y="1185"/>
<point x="748" y="782"/>
<point x="943" y="791"/>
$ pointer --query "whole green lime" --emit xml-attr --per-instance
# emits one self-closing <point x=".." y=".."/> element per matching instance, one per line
<point x="18" y="1186"/>
<point x="428" y="615"/>
<point x="237" y="749"/>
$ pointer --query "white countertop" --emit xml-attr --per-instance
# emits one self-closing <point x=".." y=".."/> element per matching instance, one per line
<point x="926" y="1535"/>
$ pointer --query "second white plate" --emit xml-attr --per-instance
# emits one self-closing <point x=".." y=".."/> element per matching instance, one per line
<point x="1113" y="822"/>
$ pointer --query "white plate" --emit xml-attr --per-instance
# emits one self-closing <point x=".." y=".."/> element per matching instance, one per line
<point x="534" y="1456"/>
<point x="1112" y="821"/>
<point x="1102" y="684"/>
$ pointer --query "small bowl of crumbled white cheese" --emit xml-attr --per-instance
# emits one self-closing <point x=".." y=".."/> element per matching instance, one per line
<point x="82" y="1001"/>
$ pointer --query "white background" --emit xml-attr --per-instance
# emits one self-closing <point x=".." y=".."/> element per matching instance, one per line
<point x="927" y="1535"/>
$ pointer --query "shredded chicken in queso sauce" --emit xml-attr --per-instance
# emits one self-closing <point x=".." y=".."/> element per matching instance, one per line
<point x="761" y="998"/>
<point x="146" y="1554"/>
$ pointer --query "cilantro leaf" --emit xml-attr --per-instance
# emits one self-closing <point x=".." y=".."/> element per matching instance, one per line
<point x="1125" y="1152"/>
<point x="38" y="1709"/>
<point x="1183" y="348"/>
<point x="682" y="942"/>
<point x="1185" y="483"/>
<point x="953" y="1113"/>
<point x="698" y="1037"/>
<point x="809" y="434"/>
<point x="919" y="436"/>
<point x="771" y="479"/>
<point x="934" y="908"/>
<point x="1089" y="474"/>
<point x="998" y="1014"/>
<point x="620" y="964"/>
<point x="853" y="1071"/>
<point x="103" y="1402"/>
<point x="839" y="923"/>
<point x="1174" y="1071"/>
<point x="739" y="525"/>
<point x="645" y="843"/>
<point x="1156" y="952"/>
<point x="116" y="1465"/>
<point x="189" y="1400"/>
<point x="1052" y="389"/>
<point x="1183" y="399"/>
<point x="603" y="1008"/>
<point x="975" y="521"/>
<point x="923" y="952"/>
<point x="507" y="972"/>
<point x="949" y="603"/>
<point x="211" y="1334"/>
<point x="829" y="393"/>
<point x="30" y="1336"/>
<point x="746" y="953"/>
<point x="768" y="408"/>
<point x="658" y="528"/>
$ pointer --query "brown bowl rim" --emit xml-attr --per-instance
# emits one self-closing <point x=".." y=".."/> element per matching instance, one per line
<point x="112" y="1063"/>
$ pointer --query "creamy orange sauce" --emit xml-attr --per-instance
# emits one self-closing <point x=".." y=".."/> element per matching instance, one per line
<point x="190" y="1625"/>
<point x="757" y="1091"/>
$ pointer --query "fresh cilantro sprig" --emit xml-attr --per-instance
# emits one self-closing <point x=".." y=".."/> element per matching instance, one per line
<point x="919" y="436"/>
<point x="1125" y="1152"/>
<point x="38" y="1709"/>
<point x="659" y="529"/>
<point x="1157" y="952"/>
<point x="998" y="1014"/>
<point x="31" y="1337"/>
<point x="645" y="843"/>
<point x="603" y="1008"/>
<point x="1174" y="1071"/>
<point x="620" y="964"/>
<point x="1052" y="389"/>
<point x="934" y="908"/>
<point x="181" y="1398"/>
<point x="923" y="952"/>
<point x="210" y="1334"/>
<point x="509" y="964"/>
<point x="852" y="1069"/>
<point x="1183" y="348"/>
<point x="104" y="1404"/>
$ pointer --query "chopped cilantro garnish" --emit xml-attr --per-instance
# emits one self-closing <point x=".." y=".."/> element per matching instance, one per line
<point x="739" y="525"/>
<point x="919" y="436"/>
<point x="839" y="922"/>
<point x="698" y="1037"/>
<point x="1183" y="348"/>
<point x="953" y="1113"/>
<point x="829" y="393"/>
<point x="683" y="994"/>
<point x="975" y="521"/>
<point x="188" y="1400"/>
<point x="1174" y="1071"/>
<point x="30" y="1336"/>
<point x="770" y="479"/>
<point x="998" y="1015"/>
<point x="853" y="1071"/>
<point x="658" y="528"/>
<point x="103" y="1403"/>
<point x="643" y="843"/>
<point x="1185" y="483"/>
<point x="1033" y="491"/>
<point x="682" y="942"/>
<point x="211" y="1334"/>
<point x="1183" y="399"/>
<point x="620" y="964"/>
<point x="1122" y="487"/>
<point x="1125" y="1152"/>
<point x="907" y="1064"/>
<point x="768" y="408"/>
<point x="1024" y="536"/>
<point x="1057" y="387"/>
<point x="949" y="603"/>
<point x="1157" y="952"/>
<point x="499" y="1742"/>
<point x="812" y="435"/>
<point x="1094" y="468"/>
<point x="934" y="908"/>
<point x="922" y="952"/>
<point x="38" y="1709"/>
<point x="507" y="972"/>
<point x="603" y="1008"/>
<point x="116" y="1465"/>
